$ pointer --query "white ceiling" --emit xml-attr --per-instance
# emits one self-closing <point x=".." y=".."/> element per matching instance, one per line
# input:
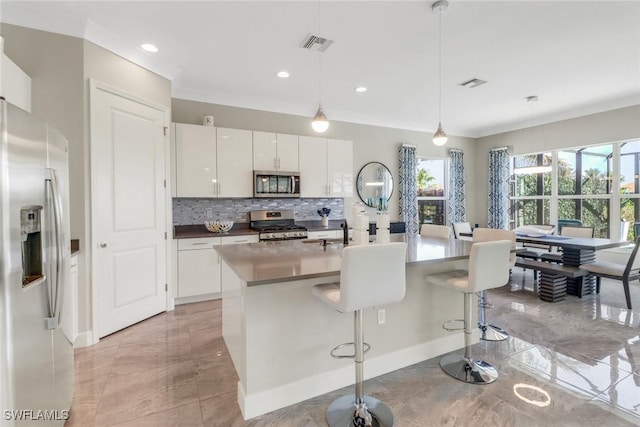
<point x="578" y="57"/>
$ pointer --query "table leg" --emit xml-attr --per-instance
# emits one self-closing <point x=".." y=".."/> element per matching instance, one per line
<point x="579" y="286"/>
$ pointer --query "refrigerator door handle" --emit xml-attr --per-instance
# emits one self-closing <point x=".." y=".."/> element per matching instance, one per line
<point x="56" y="292"/>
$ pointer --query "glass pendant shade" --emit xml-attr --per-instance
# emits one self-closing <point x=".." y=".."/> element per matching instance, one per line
<point x="320" y="123"/>
<point x="439" y="138"/>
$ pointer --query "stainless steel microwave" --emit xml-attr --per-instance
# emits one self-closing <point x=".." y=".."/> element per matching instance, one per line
<point x="276" y="184"/>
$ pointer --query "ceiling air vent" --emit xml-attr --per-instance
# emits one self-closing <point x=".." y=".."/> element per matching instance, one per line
<point x="473" y="83"/>
<point x="313" y="42"/>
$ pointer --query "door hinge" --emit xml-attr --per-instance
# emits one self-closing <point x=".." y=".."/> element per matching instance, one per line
<point x="165" y="183"/>
<point x="165" y="129"/>
<point x="166" y="287"/>
<point x="165" y="235"/>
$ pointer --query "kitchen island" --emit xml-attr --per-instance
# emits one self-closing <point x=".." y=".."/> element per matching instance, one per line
<point x="279" y="335"/>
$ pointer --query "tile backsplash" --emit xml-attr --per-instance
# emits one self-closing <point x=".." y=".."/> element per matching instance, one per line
<point x="187" y="211"/>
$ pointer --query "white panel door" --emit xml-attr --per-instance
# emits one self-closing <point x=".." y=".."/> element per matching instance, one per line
<point x="235" y="164"/>
<point x="128" y="210"/>
<point x="313" y="166"/>
<point x="288" y="152"/>
<point x="265" y="151"/>
<point x="195" y="161"/>
<point x="340" y="167"/>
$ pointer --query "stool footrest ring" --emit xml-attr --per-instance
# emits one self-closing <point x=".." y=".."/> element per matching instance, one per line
<point x="486" y="305"/>
<point x="445" y="325"/>
<point x="367" y="347"/>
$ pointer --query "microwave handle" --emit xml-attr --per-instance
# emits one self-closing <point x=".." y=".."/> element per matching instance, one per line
<point x="293" y="184"/>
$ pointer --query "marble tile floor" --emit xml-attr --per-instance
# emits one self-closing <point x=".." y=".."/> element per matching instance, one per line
<point x="572" y="363"/>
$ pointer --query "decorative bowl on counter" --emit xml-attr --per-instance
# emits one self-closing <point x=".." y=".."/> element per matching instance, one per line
<point x="218" y="226"/>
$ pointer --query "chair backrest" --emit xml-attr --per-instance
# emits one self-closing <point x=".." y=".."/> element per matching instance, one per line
<point x="488" y="265"/>
<point x="571" y="231"/>
<point x="372" y="275"/>
<point x="491" y="235"/>
<point x="568" y="222"/>
<point x="548" y="228"/>
<point x="460" y="227"/>
<point x="432" y="230"/>
<point x="634" y="260"/>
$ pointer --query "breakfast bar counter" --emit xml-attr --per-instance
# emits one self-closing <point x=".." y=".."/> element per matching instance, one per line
<point x="279" y="335"/>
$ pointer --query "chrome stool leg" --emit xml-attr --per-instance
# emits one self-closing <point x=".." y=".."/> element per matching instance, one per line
<point x="465" y="368"/>
<point x="488" y="332"/>
<point x="359" y="410"/>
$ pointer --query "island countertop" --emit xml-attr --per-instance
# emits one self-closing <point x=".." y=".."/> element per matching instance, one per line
<point x="283" y="261"/>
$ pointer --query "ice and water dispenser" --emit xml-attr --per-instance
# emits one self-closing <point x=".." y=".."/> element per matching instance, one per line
<point x="31" y="233"/>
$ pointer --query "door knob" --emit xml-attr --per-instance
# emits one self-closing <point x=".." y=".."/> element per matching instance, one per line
<point x="103" y="245"/>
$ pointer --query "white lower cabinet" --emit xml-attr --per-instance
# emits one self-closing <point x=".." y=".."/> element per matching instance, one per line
<point x="69" y="319"/>
<point x="329" y="234"/>
<point x="198" y="267"/>
<point x="199" y="264"/>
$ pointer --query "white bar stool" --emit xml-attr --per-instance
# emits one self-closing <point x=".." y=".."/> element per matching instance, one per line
<point x="492" y="332"/>
<point x="370" y="275"/>
<point x="488" y="268"/>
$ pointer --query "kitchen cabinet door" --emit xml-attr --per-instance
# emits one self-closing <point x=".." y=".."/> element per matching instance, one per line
<point x="287" y="158"/>
<point x="198" y="271"/>
<point x="340" y="167"/>
<point x="195" y="160"/>
<point x="265" y="151"/>
<point x="313" y="166"/>
<point x="235" y="162"/>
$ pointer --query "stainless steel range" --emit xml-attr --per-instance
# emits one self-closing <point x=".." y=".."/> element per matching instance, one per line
<point x="277" y="225"/>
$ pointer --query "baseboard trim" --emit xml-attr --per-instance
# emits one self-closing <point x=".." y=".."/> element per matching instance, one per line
<point x="197" y="298"/>
<point x="255" y="404"/>
<point x="84" y="339"/>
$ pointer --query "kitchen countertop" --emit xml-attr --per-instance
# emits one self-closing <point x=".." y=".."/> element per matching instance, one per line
<point x="243" y="228"/>
<point x="284" y="261"/>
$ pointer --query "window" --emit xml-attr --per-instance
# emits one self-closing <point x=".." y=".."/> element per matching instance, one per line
<point x="431" y="175"/>
<point x="629" y="185"/>
<point x="531" y="189"/>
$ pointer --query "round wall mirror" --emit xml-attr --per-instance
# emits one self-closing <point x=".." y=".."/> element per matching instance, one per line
<point x="375" y="185"/>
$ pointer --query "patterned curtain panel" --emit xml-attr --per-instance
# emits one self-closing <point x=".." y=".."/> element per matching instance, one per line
<point x="456" y="209"/>
<point x="498" y="188"/>
<point x="408" y="188"/>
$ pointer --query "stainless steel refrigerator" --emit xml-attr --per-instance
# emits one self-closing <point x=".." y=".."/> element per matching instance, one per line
<point x="36" y="353"/>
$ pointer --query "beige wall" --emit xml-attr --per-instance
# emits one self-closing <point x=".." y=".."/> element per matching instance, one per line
<point x="609" y="126"/>
<point x="370" y="143"/>
<point x="60" y="68"/>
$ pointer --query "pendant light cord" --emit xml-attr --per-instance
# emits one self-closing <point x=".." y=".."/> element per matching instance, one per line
<point x="319" y="61"/>
<point x="440" y="66"/>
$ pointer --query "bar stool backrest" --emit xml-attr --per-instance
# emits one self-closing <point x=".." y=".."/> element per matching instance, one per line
<point x="372" y="275"/>
<point x="491" y="234"/>
<point x="432" y="230"/>
<point x="488" y="265"/>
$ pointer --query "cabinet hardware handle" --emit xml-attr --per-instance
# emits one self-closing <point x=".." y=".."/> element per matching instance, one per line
<point x="200" y="243"/>
<point x="103" y="245"/>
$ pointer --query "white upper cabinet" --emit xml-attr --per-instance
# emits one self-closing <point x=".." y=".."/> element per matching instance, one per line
<point x="213" y="162"/>
<point x="326" y="167"/>
<point x="196" y="174"/>
<point x="273" y="152"/>
<point x="313" y="167"/>
<point x="340" y="167"/>
<point x="235" y="165"/>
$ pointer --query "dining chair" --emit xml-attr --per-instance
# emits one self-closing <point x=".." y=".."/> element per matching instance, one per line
<point x="568" y="231"/>
<point x="461" y="227"/>
<point x="437" y="231"/>
<point x="533" y="250"/>
<point x="625" y="273"/>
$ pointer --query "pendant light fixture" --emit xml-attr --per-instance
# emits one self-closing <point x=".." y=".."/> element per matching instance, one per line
<point x="440" y="137"/>
<point x="320" y="123"/>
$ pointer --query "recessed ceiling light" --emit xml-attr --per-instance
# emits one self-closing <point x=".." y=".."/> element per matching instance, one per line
<point x="283" y="74"/>
<point x="361" y="89"/>
<point x="149" y="47"/>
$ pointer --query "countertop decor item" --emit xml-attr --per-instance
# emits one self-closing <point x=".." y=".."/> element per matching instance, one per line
<point x="324" y="213"/>
<point x="218" y="226"/>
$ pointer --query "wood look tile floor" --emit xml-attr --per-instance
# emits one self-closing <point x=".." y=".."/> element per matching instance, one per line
<point x="572" y="363"/>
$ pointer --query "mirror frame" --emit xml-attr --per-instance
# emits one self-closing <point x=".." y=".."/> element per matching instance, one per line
<point x="359" y="178"/>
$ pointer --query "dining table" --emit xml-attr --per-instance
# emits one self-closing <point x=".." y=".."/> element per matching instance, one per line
<point x="575" y="252"/>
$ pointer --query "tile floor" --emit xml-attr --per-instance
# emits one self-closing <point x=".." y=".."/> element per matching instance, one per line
<point x="572" y="363"/>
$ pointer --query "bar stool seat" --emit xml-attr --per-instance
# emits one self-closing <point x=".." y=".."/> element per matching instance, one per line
<point x="488" y="268"/>
<point x="370" y="275"/>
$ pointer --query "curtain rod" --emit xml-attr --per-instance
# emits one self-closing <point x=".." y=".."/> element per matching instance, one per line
<point x="409" y="145"/>
<point x="458" y="150"/>
<point x="501" y="148"/>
